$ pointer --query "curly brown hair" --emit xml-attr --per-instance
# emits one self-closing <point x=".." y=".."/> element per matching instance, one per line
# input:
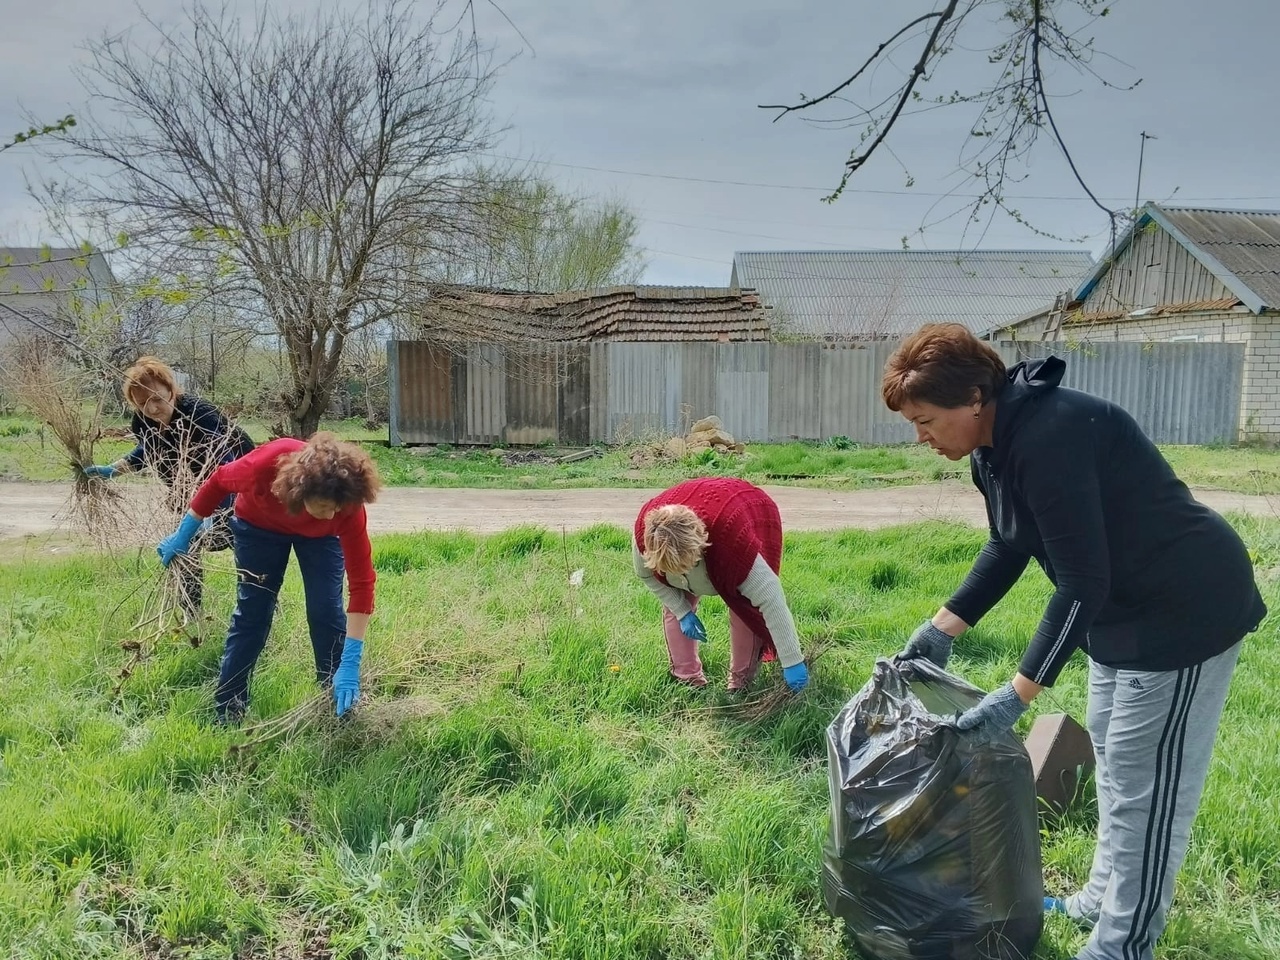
<point x="942" y="364"/>
<point x="326" y="469"/>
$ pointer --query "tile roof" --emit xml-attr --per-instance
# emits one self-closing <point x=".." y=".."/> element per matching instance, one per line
<point x="611" y="313"/>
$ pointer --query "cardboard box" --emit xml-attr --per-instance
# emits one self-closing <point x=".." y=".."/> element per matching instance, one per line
<point x="1061" y="756"/>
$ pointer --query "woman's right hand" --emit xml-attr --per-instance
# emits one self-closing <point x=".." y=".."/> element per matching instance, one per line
<point x="692" y="627"/>
<point x="929" y="643"/>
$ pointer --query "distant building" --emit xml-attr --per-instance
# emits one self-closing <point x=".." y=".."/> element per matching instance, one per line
<point x="1186" y="274"/>
<point x="40" y="286"/>
<point x="838" y="295"/>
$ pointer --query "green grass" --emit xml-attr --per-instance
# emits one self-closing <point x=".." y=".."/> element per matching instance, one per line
<point x="539" y="790"/>
<point x="27" y="453"/>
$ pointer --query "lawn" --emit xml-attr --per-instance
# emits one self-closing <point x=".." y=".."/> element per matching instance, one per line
<point x="27" y="453"/>
<point x="535" y="787"/>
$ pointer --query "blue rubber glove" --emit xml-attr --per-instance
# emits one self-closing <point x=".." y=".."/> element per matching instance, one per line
<point x="346" y="679"/>
<point x="998" y="710"/>
<point x="797" y="676"/>
<point x="105" y="471"/>
<point x="928" y="642"/>
<point x="692" y="627"/>
<point x="180" y="540"/>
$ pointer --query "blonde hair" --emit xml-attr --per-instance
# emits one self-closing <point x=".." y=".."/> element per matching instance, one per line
<point x="674" y="538"/>
<point x="145" y="376"/>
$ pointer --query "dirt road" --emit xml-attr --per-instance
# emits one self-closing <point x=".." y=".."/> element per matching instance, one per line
<point x="40" y="508"/>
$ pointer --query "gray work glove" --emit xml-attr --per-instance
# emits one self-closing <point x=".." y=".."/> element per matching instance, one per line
<point x="927" y="642"/>
<point x="998" y="710"/>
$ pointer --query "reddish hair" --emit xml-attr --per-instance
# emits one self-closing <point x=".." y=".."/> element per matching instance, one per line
<point x="942" y="364"/>
<point x="326" y="469"/>
<point x="147" y="373"/>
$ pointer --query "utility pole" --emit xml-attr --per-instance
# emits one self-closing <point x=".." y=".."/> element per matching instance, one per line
<point x="1137" y="194"/>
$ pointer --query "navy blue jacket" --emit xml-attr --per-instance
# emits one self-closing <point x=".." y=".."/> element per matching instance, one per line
<point x="197" y="440"/>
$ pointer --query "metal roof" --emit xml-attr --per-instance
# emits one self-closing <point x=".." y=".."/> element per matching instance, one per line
<point x="860" y="293"/>
<point x="26" y="270"/>
<point x="1239" y="247"/>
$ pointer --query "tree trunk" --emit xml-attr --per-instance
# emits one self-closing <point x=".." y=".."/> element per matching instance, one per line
<point x="308" y="406"/>
<point x="304" y="425"/>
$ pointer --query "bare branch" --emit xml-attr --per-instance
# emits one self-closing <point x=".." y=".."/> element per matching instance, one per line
<point x="1013" y="109"/>
<point x="44" y="129"/>
<point x="805" y="104"/>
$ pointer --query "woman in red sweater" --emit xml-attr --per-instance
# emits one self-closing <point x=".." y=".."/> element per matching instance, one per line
<point x="719" y="536"/>
<point x="307" y="498"/>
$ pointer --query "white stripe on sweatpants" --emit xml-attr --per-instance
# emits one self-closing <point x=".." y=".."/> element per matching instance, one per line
<point x="1153" y="734"/>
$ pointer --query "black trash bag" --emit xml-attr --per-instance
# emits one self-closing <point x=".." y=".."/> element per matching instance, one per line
<point x="933" y="851"/>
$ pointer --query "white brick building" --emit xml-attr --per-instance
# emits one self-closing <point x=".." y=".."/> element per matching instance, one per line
<point x="1188" y="274"/>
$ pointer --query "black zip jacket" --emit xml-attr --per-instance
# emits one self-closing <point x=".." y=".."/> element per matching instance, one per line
<point x="197" y="440"/>
<point x="1147" y="578"/>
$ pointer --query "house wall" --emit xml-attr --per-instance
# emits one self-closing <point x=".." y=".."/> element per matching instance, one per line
<point x="1154" y="270"/>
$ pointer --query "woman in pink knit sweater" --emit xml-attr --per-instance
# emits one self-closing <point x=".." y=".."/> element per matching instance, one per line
<point x="719" y="536"/>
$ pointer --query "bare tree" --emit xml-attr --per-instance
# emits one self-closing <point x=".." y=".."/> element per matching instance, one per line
<point x="309" y="165"/>
<point x="1013" y="108"/>
<point x="525" y="234"/>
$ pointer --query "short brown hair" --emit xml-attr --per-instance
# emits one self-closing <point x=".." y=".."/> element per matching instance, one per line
<point x="942" y="364"/>
<point x="674" y="538"/>
<point x="147" y="373"/>
<point x="326" y="469"/>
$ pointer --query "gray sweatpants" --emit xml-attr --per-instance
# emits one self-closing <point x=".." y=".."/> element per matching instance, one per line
<point x="1153" y="734"/>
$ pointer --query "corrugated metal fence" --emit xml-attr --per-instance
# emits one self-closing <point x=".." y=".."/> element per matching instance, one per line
<point x="581" y="393"/>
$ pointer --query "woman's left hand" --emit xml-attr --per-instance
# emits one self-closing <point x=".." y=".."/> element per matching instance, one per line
<point x="346" y="679"/>
<point x="999" y="710"/>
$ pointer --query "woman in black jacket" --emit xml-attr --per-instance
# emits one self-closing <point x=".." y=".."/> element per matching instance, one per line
<point x="182" y="439"/>
<point x="1154" y="587"/>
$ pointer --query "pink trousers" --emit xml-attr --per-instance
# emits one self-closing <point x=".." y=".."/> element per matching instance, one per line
<point x="745" y="649"/>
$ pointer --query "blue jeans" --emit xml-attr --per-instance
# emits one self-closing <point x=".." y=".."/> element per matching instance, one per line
<point x="261" y="559"/>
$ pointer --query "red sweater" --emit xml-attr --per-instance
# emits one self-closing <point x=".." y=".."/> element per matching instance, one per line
<point x="250" y="479"/>
<point x="742" y="523"/>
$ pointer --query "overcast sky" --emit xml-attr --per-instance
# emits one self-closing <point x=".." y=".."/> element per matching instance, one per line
<point x="655" y="102"/>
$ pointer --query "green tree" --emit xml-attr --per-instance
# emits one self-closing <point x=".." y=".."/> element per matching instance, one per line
<point x="526" y="234"/>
